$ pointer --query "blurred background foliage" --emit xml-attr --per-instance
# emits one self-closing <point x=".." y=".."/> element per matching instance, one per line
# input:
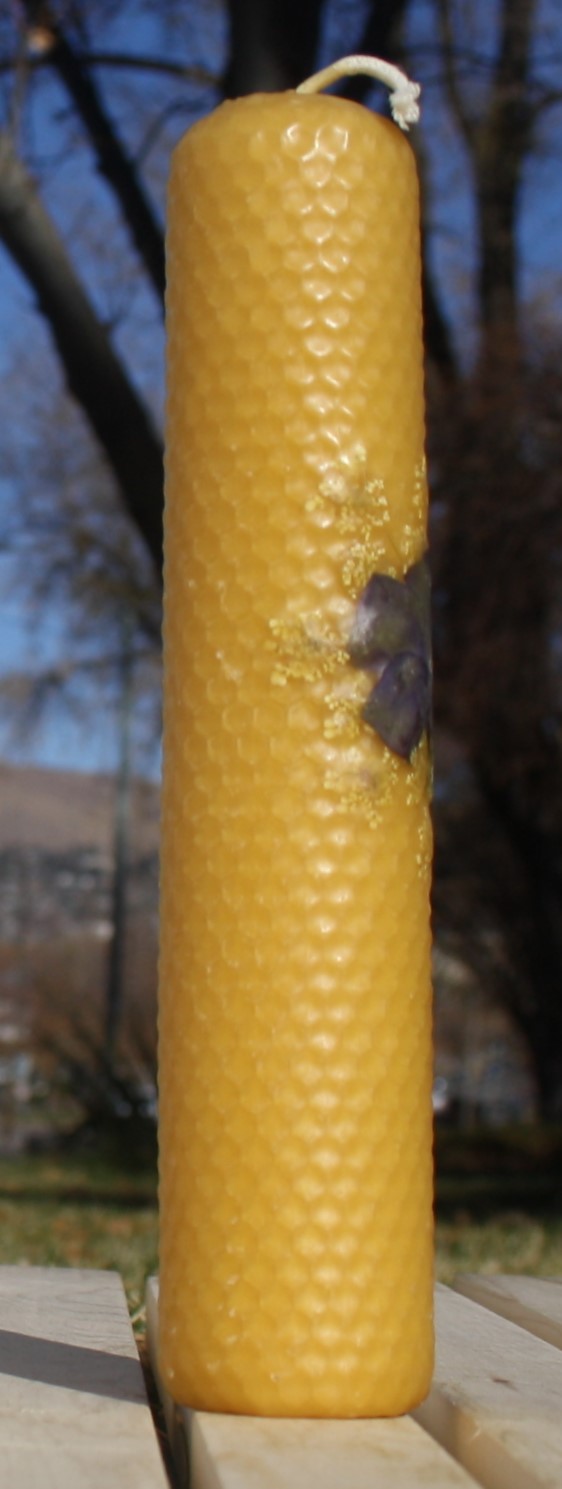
<point x="93" y="96"/>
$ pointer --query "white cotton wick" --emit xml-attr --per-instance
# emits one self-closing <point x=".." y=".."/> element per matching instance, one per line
<point x="404" y="93"/>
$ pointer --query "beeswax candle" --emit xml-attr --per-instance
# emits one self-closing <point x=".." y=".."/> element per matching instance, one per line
<point x="295" y="1055"/>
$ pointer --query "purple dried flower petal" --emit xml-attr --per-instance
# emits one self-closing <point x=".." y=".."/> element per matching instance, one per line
<point x="385" y="623"/>
<point x="399" y="706"/>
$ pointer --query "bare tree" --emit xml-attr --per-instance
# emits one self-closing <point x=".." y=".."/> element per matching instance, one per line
<point x="498" y="575"/>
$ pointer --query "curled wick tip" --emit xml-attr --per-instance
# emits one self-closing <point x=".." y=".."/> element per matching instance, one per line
<point x="404" y="93"/>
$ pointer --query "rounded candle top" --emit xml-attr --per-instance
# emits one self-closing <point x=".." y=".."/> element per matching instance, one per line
<point x="403" y="99"/>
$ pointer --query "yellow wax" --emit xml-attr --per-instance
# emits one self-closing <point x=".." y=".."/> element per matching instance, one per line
<point x="295" y="1027"/>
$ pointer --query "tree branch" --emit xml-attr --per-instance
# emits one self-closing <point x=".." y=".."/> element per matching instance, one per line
<point x="94" y="374"/>
<point x="114" y="162"/>
<point x="133" y="62"/>
<point x="379" y="39"/>
<point x="501" y="143"/>
<point x="516" y="24"/>
<point x="449" y="53"/>
<point x="438" y="340"/>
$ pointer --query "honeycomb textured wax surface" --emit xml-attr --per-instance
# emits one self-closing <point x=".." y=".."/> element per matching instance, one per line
<point x="295" y="1041"/>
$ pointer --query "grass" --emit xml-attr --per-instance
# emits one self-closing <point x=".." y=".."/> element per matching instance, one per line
<point x="499" y="1202"/>
<point x="80" y="1212"/>
<point x="503" y="1242"/>
<point x="83" y="1210"/>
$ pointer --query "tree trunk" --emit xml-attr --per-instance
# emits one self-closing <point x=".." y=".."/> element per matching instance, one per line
<point x="94" y="373"/>
<point x="273" y="44"/>
<point x="494" y="673"/>
<point x="533" y="932"/>
<point x="501" y="143"/>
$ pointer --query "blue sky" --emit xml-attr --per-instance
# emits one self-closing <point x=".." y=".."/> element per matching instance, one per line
<point x="74" y="191"/>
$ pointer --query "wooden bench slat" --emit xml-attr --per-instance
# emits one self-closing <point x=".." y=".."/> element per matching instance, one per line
<point x="73" y="1408"/>
<point x="229" y="1452"/>
<point x="261" y="1453"/>
<point x="535" y="1303"/>
<point x="496" y="1402"/>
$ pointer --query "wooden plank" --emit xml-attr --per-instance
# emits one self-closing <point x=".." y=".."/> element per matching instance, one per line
<point x="228" y="1452"/>
<point x="496" y="1402"/>
<point x="261" y="1453"/>
<point x="73" y="1408"/>
<point x="535" y="1303"/>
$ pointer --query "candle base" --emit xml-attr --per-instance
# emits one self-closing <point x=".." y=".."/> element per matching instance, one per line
<point x="173" y="1407"/>
<point x="342" y="1383"/>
